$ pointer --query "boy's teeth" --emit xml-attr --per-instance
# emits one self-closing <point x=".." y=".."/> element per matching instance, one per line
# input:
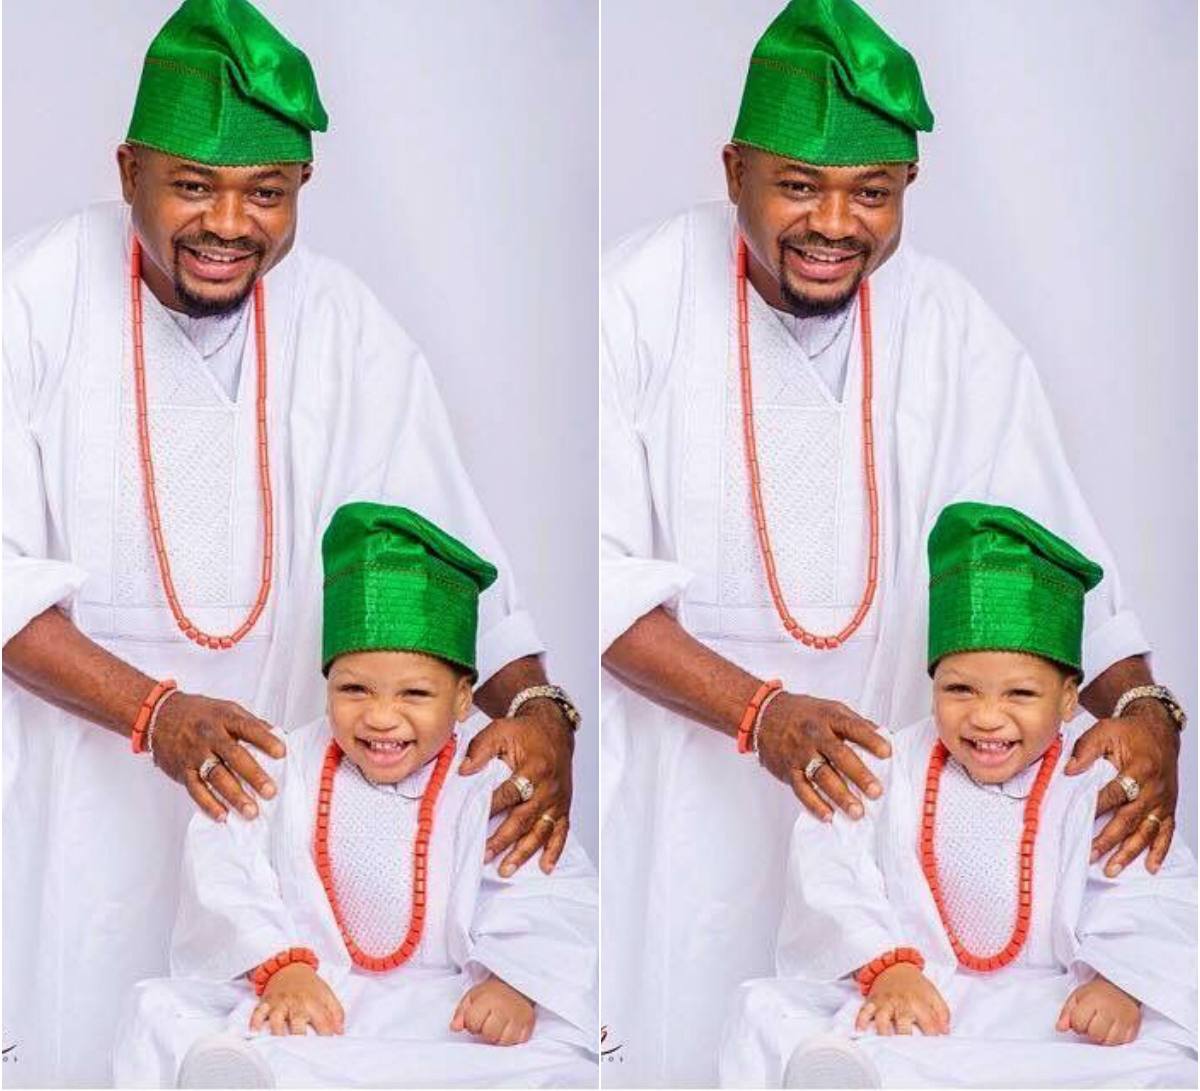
<point x="981" y="744"/>
<point x="381" y="744"/>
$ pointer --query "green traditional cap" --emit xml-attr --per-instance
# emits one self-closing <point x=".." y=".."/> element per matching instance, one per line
<point x="396" y="582"/>
<point x="222" y="86"/>
<point x="828" y="86"/>
<point x="999" y="581"/>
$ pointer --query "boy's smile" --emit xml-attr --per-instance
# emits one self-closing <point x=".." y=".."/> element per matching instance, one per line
<point x="998" y="712"/>
<point x="391" y="712"/>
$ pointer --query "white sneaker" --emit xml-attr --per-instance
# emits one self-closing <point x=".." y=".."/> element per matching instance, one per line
<point x="224" y="1061"/>
<point x="830" y="1061"/>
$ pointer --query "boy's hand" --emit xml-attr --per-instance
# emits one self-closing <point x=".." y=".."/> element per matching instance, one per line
<point x="1102" y="1013"/>
<point x="900" y="997"/>
<point x="496" y="1012"/>
<point x="295" y="999"/>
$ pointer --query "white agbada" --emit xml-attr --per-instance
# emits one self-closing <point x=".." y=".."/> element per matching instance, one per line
<point x="856" y="891"/>
<point x="92" y="834"/>
<point x="251" y="889"/>
<point x="695" y="836"/>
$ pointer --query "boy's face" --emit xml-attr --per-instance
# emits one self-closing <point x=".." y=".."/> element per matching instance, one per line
<point x="998" y="712"/>
<point x="391" y="712"/>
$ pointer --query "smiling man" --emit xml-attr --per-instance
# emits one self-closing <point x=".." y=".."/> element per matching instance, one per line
<point x="790" y="396"/>
<point x="188" y="396"/>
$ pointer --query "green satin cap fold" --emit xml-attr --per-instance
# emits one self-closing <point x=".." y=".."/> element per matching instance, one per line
<point x="220" y="85"/>
<point x="999" y="581"/>
<point x="396" y="582"/>
<point x="828" y="86"/>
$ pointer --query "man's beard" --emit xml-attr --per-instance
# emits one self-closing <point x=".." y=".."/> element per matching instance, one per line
<point x="196" y="306"/>
<point x="803" y="306"/>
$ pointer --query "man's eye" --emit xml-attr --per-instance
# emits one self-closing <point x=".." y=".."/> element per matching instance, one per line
<point x="799" y="187"/>
<point x="874" y="194"/>
<point x="189" y="187"/>
<point x="268" y="194"/>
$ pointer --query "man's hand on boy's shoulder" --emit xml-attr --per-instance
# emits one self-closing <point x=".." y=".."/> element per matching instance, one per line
<point x="295" y="999"/>
<point x="537" y="744"/>
<point x="1143" y="745"/>
<point x="902" y="997"/>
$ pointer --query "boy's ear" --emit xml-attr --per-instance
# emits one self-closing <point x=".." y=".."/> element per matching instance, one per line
<point x="463" y="699"/>
<point x="1070" y="699"/>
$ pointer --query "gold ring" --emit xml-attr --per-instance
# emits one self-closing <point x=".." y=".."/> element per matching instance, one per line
<point x="546" y="816"/>
<point x="1153" y="818"/>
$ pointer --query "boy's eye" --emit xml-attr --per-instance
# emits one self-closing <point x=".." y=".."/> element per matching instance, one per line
<point x="957" y="688"/>
<point x="418" y="693"/>
<point x="352" y="687"/>
<point x="1023" y="693"/>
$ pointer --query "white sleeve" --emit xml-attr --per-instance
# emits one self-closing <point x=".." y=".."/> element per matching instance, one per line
<point x="1139" y="931"/>
<point x="1031" y="472"/>
<point x="537" y="933"/>
<point x="632" y="580"/>
<point x="423" y="470"/>
<point x="836" y="914"/>
<point x="33" y="581"/>
<point x="231" y="914"/>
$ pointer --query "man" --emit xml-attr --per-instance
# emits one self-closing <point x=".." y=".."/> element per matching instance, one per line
<point x="172" y="453"/>
<point x="789" y="398"/>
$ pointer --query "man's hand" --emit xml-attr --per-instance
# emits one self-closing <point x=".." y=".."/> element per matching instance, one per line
<point x="797" y="729"/>
<point x="496" y="1012"/>
<point x="1102" y="1013"/>
<point x="295" y="999"/>
<point x="190" y="728"/>
<point x="536" y="744"/>
<point x="900" y="997"/>
<point x="1143" y="744"/>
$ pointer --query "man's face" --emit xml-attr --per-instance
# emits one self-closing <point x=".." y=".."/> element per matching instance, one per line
<point x="208" y="233"/>
<point x="813" y="233"/>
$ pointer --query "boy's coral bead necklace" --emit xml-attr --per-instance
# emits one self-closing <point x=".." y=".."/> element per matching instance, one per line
<point x="794" y="628"/>
<point x="1033" y="805"/>
<point x="205" y="640"/>
<point x="381" y="963"/>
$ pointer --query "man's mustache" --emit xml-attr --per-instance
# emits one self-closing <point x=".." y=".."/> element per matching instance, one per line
<point x="813" y="240"/>
<point x="215" y="242"/>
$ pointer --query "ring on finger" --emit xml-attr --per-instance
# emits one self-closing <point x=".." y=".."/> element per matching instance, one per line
<point x="1130" y="787"/>
<point x="524" y="787"/>
<point x="814" y="765"/>
<point x="1152" y="817"/>
<point x="207" y="766"/>
<point x="546" y="816"/>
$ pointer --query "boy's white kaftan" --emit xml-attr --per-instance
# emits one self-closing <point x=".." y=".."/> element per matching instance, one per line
<point x="251" y="890"/>
<point x="856" y="890"/>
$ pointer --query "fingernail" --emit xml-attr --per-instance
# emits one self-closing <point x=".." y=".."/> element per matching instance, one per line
<point x="873" y="790"/>
<point x="1113" y="870"/>
<point x="826" y="818"/>
<point x="856" y="811"/>
<point x="268" y="789"/>
<point x="249" y="811"/>
<point x="1095" y="856"/>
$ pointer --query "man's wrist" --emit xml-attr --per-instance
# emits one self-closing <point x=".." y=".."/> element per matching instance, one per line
<point x="545" y="700"/>
<point x="1150" y="708"/>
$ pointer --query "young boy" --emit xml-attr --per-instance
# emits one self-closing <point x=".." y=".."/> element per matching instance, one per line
<point x="352" y="934"/>
<point x="963" y="906"/>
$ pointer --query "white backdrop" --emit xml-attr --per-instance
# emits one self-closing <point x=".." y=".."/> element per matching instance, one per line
<point x="1060" y="178"/>
<point x="459" y="178"/>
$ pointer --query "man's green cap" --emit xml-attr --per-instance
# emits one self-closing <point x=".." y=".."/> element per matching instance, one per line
<point x="396" y="582"/>
<point x="222" y="86"/>
<point x="999" y="581"/>
<point x="827" y="86"/>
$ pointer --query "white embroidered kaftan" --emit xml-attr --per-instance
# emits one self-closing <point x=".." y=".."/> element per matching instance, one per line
<point x="695" y="835"/>
<point x="251" y="890"/>
<point x="92" y="833"/>
<point x="857" y="890"/>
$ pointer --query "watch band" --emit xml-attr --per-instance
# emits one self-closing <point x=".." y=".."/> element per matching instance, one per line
<point x="1159" y="693"/>
<point x="551" y="693"/>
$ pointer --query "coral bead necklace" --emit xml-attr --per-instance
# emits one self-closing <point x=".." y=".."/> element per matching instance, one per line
<point x="416" y="923"/>
<point x="794" y="628"/>
<point x="205" y="640"/>
<point x="1033" y="805"/>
